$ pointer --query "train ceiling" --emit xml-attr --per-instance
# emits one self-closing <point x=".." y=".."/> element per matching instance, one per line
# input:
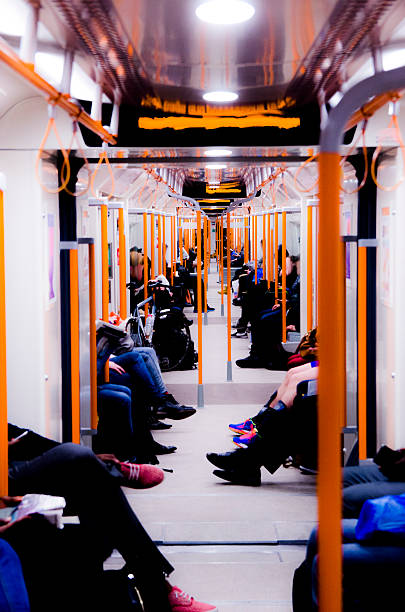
<point x="158" y="59"/>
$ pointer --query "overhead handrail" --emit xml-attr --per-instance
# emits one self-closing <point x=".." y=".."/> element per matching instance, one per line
<point x="52" y="126"/>
<point x="300" y="168"/>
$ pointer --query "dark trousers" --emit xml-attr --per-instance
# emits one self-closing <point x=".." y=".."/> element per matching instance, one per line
<point x="362" y="482"/>
<point x="108" y="521"/>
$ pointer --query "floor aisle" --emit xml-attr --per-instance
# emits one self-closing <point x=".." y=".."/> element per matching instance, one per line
<point x="233" y="546"/>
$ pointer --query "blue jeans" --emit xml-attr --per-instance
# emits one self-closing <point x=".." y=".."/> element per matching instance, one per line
<point x="372" y="574"/>
<point x="13" y="592"/>
<point x="152" y="363"/>
<point x="115" y="427"/>
<point x="363" y="482"/>
<point x="140" y="372"/>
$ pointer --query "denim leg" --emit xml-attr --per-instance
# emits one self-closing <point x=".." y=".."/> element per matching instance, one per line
<point x="365" y="482"/>
<point x="13" y="592"/>
<point x="151" y="361"/>
<point x="134" y="365"/>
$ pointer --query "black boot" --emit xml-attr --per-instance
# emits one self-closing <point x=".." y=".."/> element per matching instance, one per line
<point x="169" y="408"/>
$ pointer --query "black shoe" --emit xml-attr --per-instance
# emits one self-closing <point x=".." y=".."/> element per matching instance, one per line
<point x="251" y="478"/>
<point x="250" y="362"/>
<point x="155" y="424"/>
<point x="160" y="449"/>
<point x="239" y="459"/>
<point x="170" y="409"/>
<point x="210" y="308"/>
<point x="236" y="302"/>
<point x="240" y="333"/>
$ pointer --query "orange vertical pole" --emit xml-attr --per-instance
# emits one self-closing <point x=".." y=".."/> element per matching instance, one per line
<point x="309" y="267"/>
<point x="264" y="246"/>
<point x="145" y="261"/>
<point x="172" y="249"/>
<point x="276" y="254"/>
<point x="104" y="275"/>
<point x="272" y="254"/>
<point x="93" y="341"/>
<point x="284" y="276"/>
<point x="74" y="344"/>
<point x="186" y="236"/>
<point x="180" y="240"/>
<point x="222" y="263"/>
<point x="331" y="385"/>
<point x="362" y="349"/>
<point x="160" y="251"/>
<point x="229" y="296"/>
<point x="152" y="245"/>
<point x="3" y="362"/>
<point x="209" y="243"/>
<point x="205" y="262"/>
<point x="164" y="244"/>
<point x="123" y="265"/>
<point x="246" y="241"/>
<point x="199" y="310"/>
<point x="269" y="253"/>
<point x="255" y="245"/>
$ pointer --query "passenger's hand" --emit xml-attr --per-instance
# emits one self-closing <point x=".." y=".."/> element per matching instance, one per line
<point x="117" y="368"/>
<point x="8" y="502"/>
<point x="291" y="328"/>
<point x="108" y="457"/>
<point x="276" y="306"/>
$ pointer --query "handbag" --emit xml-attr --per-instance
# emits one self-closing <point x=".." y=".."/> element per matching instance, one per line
<point x="382" y="516"/>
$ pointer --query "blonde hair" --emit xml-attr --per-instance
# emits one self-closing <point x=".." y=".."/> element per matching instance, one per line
<point x="136" y="259"/>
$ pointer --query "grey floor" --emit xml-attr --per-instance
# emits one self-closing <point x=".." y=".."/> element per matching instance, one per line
<point x="234" y="546"/>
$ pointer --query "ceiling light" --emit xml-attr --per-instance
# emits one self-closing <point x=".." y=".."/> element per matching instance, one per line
<point x="220" y="96"/>
<point x="215" y="166"/>
<point x="217" y="153"/>
<point x="225" y="12"/>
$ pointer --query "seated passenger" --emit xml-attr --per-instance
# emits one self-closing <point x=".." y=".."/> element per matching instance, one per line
<point x="267" y="350"/>
<point x="286" y="427"/>
<point x="94" y="493"/>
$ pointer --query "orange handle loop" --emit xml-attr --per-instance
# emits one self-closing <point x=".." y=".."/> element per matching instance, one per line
<point x="103" y="157"/>
<point x="363" y="135"/>
<point x="393" y="122"/>
<point x="306" y="162"/>
<point x="86" y="163"/>
<point x="51" y="126"/>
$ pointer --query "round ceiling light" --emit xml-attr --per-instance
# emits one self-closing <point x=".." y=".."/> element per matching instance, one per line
<point x="225" y="12"/>
<point x="215" y="166"/>
<point x="220" y="96"/>
<point x="217" y="153"/>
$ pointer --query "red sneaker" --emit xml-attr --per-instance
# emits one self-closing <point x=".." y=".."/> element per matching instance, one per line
<point x="183" y="602"/>
<point x="140" y="475"/>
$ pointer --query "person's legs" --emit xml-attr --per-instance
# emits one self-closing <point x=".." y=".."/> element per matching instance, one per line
<point x="289" y="392"/>
<point x="365" y="482"/>
<point x="114" y="429"/>
<point x="75" y="473"/>
<point x="152" y="363"/>
<point x="134" y="364"/>
<point x="13" y="592"/>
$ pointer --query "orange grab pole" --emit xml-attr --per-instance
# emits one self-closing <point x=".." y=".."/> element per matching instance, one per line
<point x="209" y="243"/>
<point x="199" y="297"/>
<point x="269" y="252"/>
<point x="264" y="246"/>
<point x="104" y="274"/>
<point x="331" y="385"/>
<point x="152" y="245"/>
<point x="164" y="244"/>
<point x="74" y="344"/>
<point x="3" y="362"/>
<point x="93" y="341"/>
<point x="362" y="348"/>
<point x="205" y="262"/>
<point x="284" y="276"/>
<point x="255" y="245"/>
<point x="181" y="242"/>
<point x="123" y="265"/>
<point x="145" y="261"/>
<point x="246" y="241"/>
<point x="276" y="254"/>
<point x="228" y="282"/>
<point x="309" y="267"/>
<point x="160" y="263"/>
<point x="272" y="254"/>
<point x="222" y="260"/>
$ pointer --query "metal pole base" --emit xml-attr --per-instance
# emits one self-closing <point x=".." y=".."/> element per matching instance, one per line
<point x="200" y="396"/>
<point x="205" y="318"/>
<point x="222" y="310"/>
<point x="229" y="371"/>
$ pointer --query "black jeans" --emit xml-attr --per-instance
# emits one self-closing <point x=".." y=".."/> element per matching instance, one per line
<point x="107" y="519"/>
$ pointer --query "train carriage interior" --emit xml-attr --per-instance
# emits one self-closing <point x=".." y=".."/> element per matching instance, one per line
<point x="202" y="292"/>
